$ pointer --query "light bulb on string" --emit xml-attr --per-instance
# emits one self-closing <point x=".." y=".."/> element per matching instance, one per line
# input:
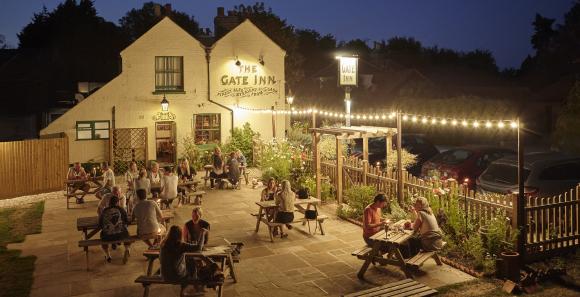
<point x="414" y="119"/>
<point x="433" y="121"/>
<point x="405" y="117"/>
<point x="500" y="124"/>
<point x="464" y="123"/>
<point x="513" y="125"/>
<point x="475" y="124"/>
<point x="443" y="122"/>
<point x="454" y="122"/>
<point x="424" y="120"/>
<point x="488" y="124"/>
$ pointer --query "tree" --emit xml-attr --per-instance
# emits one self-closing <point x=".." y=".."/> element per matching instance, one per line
<point x="317" y="50"/>
<point x="543" y="33"/>
<point x="568" y="123"/>
<point x="138" y="21"/>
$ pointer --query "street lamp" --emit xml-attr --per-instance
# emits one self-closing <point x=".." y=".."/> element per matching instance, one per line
<point x="164" y="104"/>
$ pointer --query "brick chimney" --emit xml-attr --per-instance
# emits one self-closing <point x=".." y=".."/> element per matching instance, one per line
<point x="225" y="23"/>
<point x="167" y="9"/>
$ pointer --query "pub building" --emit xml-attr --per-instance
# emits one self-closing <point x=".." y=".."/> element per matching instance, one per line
<point x="173" y="85"/>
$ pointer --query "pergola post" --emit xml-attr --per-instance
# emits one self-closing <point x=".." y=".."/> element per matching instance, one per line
<point x="316" y="157"/>
<point x="400" y="190"/>
<point x="365" y="148"/>
<point x="520" y="205"/>
<point x="389" y="147"/>
<point x="339" y="164"/>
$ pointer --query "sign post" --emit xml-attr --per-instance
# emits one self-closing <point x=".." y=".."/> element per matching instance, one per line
<point x="347" y="78"/>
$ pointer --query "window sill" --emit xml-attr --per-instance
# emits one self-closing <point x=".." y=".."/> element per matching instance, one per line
<point x="167" y="92"/>
<point x="87" y="139"/>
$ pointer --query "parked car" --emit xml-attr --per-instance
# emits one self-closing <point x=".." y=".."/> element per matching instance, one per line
<point x="416" y="144"/>
<point x="464" y="162"/>
<point x="545" y="174"/>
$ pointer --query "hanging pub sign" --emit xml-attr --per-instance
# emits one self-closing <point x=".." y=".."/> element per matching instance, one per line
<point x="348" y="71"/>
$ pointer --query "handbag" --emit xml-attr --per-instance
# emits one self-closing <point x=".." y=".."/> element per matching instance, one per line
<point x="310" y="214"/>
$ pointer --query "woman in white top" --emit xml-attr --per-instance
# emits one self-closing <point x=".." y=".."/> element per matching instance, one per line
<point x="168" y="186"/>
<point x="285" y="201"/>
<point x="155" y="179"/>
<point x="429" y="236"/>
<point x="108" y="180"/>
<point x="142" y="182"/>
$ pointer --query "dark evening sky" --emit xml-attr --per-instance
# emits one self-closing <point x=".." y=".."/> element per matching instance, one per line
<point x="502" y="26"/>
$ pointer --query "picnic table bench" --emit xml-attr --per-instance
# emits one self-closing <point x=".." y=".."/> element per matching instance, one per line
<point x="90" y="225"/>
<point x="386" y="250"/>
<point x="406" y="287"/>
<point x="148" y="280"/>
<point x="265" y="206"/>
<point x="85" y="244"/>
<point x="223" y="254"/>
<point x="208" y="168"/>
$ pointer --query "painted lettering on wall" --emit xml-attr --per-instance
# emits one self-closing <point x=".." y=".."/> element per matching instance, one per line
<point x="246" y="81"/>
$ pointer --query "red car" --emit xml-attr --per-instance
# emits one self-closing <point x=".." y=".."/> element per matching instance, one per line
<point x="464" y="162"/>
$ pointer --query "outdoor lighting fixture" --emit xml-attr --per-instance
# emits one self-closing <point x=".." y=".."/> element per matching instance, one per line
<point x="500" y="125"/>
<point x="238" y="63"/>
<point x="488" y="124"/>
<point x="290" y="99"/>
<point x="383" y="117"/>
<point x="424" y="120"/>
<point x="454" y="122"/>
<point x="475" y="124"/>
<point x="513" y="125"/>
<point x="261" y="61"/>
<point x="433" y="121"/>
<point x="405" y="117"/>
<point x="414" y="119"/>
<point x="464" y="123"/>
<point x="164" y="104"/>
<point x="444" y="122"/>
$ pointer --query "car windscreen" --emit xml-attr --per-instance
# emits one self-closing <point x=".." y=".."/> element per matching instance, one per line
<point x="503" y="173"/>
<point x="452" y="157"/>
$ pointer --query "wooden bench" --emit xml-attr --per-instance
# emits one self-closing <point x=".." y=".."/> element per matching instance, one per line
<point x="85" y="244"/>
<point x="417" y="261"/>
<point x="273" y="225"/>
<point x="148" y="280"/>
<point x="407" y="287"/>
<point x="362" y="252"/>
<point x="198" y="197"/>
<point x="68" y="196"/>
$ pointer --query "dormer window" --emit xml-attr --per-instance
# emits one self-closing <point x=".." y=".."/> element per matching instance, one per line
<point x="168" y="74"/>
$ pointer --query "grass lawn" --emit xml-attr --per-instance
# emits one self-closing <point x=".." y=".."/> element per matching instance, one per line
<point x="492" y="288"/>
<point x="15" y="271"/>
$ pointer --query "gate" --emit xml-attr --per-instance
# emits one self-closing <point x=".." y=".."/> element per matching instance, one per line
<point x="128" y="144"/>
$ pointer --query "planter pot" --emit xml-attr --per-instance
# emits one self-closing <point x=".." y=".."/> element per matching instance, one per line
<point x="511" y="264"/>
<point x="499" y="267"/>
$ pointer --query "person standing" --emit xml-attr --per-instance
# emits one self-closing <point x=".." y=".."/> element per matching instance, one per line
<point x="372" y="218"/>
<point x="233" y="169"/>
<point x="168" y="186"/>
<point x="285" y="202"/>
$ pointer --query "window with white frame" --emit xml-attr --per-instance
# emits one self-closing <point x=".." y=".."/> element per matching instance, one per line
<point x="168" y="73"/>
<point x="90" y="130"/>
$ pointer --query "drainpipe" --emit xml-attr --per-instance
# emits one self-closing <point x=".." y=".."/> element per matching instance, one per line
<point x="207" y="58"/>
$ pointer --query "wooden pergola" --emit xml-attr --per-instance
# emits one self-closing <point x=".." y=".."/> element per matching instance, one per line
<point x="353" y="132"/>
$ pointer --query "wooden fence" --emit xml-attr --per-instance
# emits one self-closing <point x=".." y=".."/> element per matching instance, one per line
<point x="552" y="224"/>
<point x="33" y="166"/>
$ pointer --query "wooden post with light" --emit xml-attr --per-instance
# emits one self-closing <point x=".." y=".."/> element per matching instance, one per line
<point x="347" y="78"/>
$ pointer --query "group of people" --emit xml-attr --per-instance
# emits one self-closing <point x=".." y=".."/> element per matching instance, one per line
<point x="427" y="234"/>
<point x="284" y="198"/>
<point x="229" y="169"/>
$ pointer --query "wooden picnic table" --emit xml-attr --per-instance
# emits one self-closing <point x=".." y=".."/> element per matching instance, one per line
<point x="208" y="168"/>
<point x="85" y="224"/>
<point x="220" y="253"/>
<point x="299" y="204"/>
<point x="386" y="249"/>
<point x="73" y="187"/>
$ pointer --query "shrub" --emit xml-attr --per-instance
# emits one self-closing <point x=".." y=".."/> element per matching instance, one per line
<point x="278" y="160"/>
<point x="298" y="135"/>
<point x="397" y="212"/>
<point x="407" y="159"/>
<point x="241" y="139"/>
<point x="499" y="234"/>
<point x="358" y="197"/>
<point x="473" y="247"/>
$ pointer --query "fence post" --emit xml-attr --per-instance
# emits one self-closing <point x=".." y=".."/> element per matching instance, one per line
<point x="365" y="171"/>
<point x="339" y="168"/>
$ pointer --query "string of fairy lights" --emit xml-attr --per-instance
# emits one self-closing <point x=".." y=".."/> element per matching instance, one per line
<point x="405" y="117"/>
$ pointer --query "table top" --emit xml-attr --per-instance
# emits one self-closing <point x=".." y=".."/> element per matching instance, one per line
<point x="207" y="250"/>
<point x="88" y="179"/>
<point x="271" y="203"/>
<point x="93" y="222"/>
<point x="396" y="237"/>
<point x="208" y="167"/>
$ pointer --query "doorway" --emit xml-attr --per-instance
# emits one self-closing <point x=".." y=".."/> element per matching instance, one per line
<point x="165" y="142"/>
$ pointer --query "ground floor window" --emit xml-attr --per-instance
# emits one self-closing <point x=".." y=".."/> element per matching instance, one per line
<point x="89" y="130"/>
<point x="207" y="128"/>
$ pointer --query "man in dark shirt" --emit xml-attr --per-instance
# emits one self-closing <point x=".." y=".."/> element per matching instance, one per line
<point x="113" y="222"/>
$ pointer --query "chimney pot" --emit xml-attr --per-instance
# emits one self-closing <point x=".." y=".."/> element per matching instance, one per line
<point x="168" y="9"/>
<point x="157" y="10"/>
<point x="220" y="11"/>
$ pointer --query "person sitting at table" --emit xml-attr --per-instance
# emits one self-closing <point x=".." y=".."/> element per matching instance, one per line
<point x="155" y="179"/>
<point x="77" y="174"/>
<point x="270" y="190"/>
<point x="233" y="169"/>
<point x="196" y="229"/>
<point x="175" y="267"/>
<point x="130" y="176"/>
<point x="168" y="186"/>
<point x="148" y="216"/>
<point x="217" y="171"/>
<point x="185" y="173"/>
<point x="106" y="200"/>
<point x="142" y="182"/>
<point x="285" y="202"/>
<point x="372" y="218"/>
<point x="428" y="236"/>
<point x="241" y="158"/>
<point x="108" y="180"/>
<point x="113" y="222"/>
